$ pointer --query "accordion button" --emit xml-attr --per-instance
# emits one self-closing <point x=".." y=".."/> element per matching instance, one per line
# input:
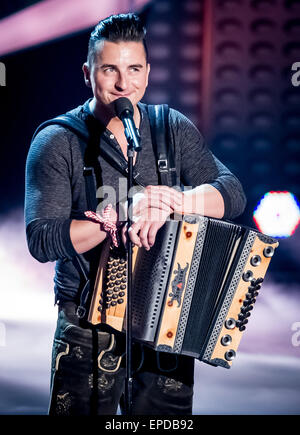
<point x="114" y="303"/>
<point x="230" y="355"/>
<point x="226" y="340"/>
<point x="230" y="323"/>
<point x="247" y="276"/>
<point x="255" y="260"/>
<point x="242" y="328"/>
<point x="120" y="301"/>
<point x="122" y="287"/>
<point x="121" y="294"/>
<point x="268" y="251"/>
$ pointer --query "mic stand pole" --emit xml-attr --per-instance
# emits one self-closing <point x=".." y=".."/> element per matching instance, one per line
<point x="129" y="380"/>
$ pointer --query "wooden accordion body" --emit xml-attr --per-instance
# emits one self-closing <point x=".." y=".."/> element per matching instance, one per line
<point x="193" y="292"/>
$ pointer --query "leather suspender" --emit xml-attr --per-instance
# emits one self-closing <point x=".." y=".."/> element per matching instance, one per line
<point x="163" y="148"/>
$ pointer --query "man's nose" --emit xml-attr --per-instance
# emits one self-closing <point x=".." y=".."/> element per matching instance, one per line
<point x="121" y="82"/>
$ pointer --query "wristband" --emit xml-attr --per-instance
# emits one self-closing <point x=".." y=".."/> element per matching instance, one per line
<point x="105" y="221"/>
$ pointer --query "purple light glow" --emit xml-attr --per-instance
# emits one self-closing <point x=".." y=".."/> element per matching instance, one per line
<point x="51" y="19"/>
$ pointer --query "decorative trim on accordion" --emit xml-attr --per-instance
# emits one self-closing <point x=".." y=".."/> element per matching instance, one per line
<point x="191" y="283"/>
<point x="228" y="299"/>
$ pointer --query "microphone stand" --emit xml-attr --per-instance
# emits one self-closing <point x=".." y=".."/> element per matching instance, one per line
<point x="129" y="380"/>
<point x="124" y="110"/>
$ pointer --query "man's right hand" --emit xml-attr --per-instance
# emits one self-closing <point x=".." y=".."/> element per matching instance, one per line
<point x="151" y="209"/>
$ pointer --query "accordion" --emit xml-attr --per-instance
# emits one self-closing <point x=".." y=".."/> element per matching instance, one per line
<point x="193" y="292"/>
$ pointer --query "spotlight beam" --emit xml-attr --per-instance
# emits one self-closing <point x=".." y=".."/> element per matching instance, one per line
<point x="51" y="19"/>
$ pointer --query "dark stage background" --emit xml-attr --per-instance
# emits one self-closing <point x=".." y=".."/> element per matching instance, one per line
<point x="227" y="65"/>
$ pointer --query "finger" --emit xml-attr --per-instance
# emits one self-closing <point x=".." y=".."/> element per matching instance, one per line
<point x="152" y="201"/>
<point x="157" y="215"/>
<point x="152" y="234"/>
<point x="165" y="195"/>
<point x="124" y="235"/>
<point x="143" y="235"/>
<point x="133" y="233"/>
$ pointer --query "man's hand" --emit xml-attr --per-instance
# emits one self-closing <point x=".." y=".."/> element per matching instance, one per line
<point x="162" y="197"/>
<point x="153" y="206"/>
<point x="151" y="209"/>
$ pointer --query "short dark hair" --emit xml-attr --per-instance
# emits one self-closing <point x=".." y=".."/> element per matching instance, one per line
<point x="116" y="28"/>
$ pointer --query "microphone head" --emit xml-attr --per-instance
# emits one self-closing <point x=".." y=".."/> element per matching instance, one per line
<point x="122" y="106"/>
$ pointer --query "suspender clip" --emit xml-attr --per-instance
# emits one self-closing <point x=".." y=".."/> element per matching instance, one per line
<point x="80" y="311"/>
<point x="163" y="165"/>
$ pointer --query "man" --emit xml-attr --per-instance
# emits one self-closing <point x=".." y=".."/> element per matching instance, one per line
<point x="88" y="363"/>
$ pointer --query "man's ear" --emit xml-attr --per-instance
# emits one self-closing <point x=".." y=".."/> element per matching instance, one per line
<point x="86" y="72"/>
<point x="148" y="72"/>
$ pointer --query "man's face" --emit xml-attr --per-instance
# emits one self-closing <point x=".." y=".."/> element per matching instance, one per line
<point x="118" y="70"/>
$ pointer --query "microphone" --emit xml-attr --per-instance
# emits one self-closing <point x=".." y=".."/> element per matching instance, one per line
<point x="124" y="111"/>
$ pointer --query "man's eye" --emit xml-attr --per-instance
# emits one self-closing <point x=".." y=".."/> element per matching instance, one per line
<point x="111" y="69"/>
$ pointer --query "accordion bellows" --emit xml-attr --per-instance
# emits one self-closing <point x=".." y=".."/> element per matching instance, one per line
<point x="193" y="292"/>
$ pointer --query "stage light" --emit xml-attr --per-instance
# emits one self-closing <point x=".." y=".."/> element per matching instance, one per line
<point x="51" y="19"/>
<point x="277" y="214"/>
